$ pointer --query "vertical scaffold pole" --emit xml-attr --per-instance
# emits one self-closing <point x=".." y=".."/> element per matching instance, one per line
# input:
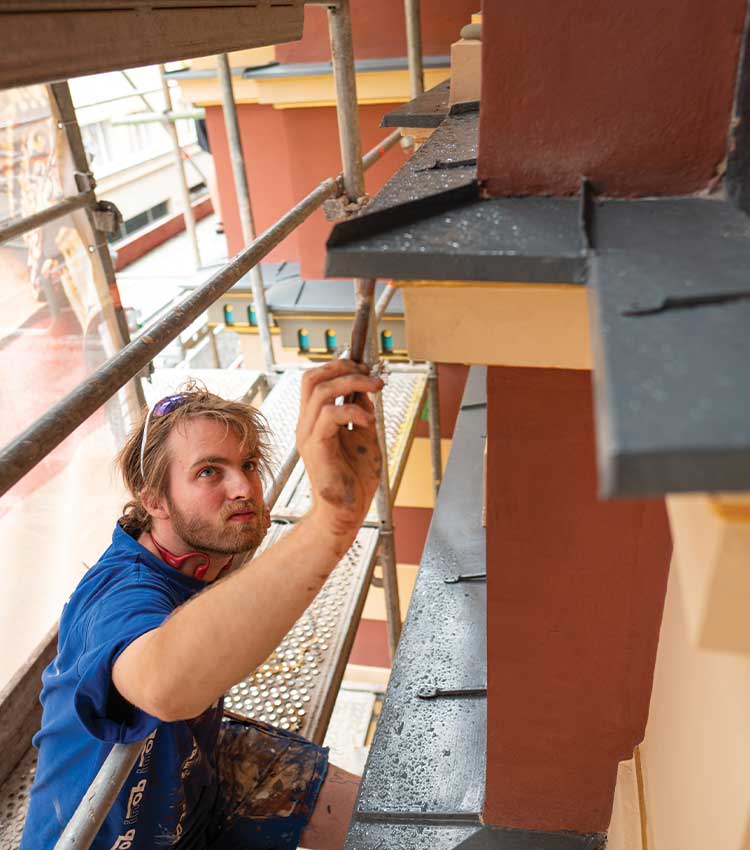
<point x="187" y="209"/>
<point x="342" y="53"/>
<point x="242" y="190"/>
<point x="384" y="505"/>
<point x="132" y="399"/>
<point x="342" y="50"/>
<point x="414" y="46"/>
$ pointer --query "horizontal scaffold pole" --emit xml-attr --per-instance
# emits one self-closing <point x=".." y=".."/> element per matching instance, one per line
<point x="385" y="299"/>
<point x="19" y="226"/>
<point x="44" y="435"/>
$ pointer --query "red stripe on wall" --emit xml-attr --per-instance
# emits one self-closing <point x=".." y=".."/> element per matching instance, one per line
<point x="410" y="528"/>
<point x="451" y="382"/>
<point x="371" y="645"/>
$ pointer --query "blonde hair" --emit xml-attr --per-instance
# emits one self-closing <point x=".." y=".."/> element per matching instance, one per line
<point x="245" y="420"/>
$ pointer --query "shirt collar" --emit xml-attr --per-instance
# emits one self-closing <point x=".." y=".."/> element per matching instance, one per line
<point x="123" y="542"/>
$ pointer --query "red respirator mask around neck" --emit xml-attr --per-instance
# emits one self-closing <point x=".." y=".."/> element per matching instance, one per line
<point x="177" y="561"/>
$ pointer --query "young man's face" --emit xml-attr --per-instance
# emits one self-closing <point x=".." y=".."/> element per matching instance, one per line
<point x="215" y="499"/>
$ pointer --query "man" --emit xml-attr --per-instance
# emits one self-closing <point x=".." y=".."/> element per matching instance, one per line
<point x="150" y="640"/>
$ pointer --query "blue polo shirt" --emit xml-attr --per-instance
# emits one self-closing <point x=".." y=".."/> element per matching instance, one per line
<point x="171" y="790"/>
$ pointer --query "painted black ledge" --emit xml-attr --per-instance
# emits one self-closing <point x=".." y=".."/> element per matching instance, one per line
<point x="462" y="837"/>
<point x="429" y="223"/>
<point x="670" y="313"/>
<point x="426" y="763"/>
<point x="277" y="70"/>
<point x="670" y="301"/>
<point x="428" y="110"/>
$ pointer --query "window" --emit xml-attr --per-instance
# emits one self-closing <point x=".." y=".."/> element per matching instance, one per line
<point x="143" y="219"/>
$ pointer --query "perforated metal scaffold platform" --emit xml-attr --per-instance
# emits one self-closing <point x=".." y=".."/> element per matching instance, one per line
<point x="14" y="800"/>
<point x="296" y="687"/>
<point x="227" y="383"/>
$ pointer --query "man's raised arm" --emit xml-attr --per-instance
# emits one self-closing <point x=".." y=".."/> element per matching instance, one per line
<point x="213" y="641"/>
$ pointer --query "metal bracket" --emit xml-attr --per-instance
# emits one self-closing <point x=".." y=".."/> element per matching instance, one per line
<point x="439" y="693"/>
<point x="340" y="209"/>
<point x="107" y="218"/>
<point x="586" y="215"/>
<point x="85" y="181"/>
<point x="465" y="577"/>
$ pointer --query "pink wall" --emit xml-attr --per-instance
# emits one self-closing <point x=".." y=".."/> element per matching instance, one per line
<point x="287" y="153"/>
<point x="379" y="30"/>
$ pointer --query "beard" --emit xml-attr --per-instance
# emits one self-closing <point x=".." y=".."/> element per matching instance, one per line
<point x="221" y="536"/>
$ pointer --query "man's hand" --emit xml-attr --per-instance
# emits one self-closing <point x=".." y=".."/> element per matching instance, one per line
<point x="343" y="465"/>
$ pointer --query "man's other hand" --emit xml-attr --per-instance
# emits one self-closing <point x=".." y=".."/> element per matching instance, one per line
<point x="343" y="465"/>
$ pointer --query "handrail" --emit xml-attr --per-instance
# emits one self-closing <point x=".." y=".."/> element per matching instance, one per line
<point x="44" y="435"/>
<point x="18" y="226"/>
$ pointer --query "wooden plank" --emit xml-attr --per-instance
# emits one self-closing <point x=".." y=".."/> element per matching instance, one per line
<point x="20" y="711"/>
<point x="46" y="41"/>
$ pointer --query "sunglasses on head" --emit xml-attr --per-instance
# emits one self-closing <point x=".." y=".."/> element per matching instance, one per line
<point x="156" y="411"/>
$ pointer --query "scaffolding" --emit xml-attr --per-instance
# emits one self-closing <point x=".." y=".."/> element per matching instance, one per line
<point x="115" y="378"/>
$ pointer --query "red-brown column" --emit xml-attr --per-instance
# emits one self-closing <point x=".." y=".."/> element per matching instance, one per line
<point x="574" y="601"/>
<point x="637" y="96"/>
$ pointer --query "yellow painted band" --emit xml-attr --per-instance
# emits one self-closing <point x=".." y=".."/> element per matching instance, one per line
<point x="364" y="101"/>
<point x="316" y="317"/>
<point x="241" y="329"/>
<point x="731" y="513"/>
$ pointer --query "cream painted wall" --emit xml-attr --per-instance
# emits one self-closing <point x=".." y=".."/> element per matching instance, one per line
<point x="626" y="829"/>
<point x="500" y="324"/>
<point x="375" y="603"/>
<point x="416" y="483"/>
<point x="149" y="183"/>
<point x="696" y="755"/>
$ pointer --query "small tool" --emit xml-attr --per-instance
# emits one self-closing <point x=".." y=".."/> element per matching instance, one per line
<point x="465" y="577"/>
<point x="437" y="693"/>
